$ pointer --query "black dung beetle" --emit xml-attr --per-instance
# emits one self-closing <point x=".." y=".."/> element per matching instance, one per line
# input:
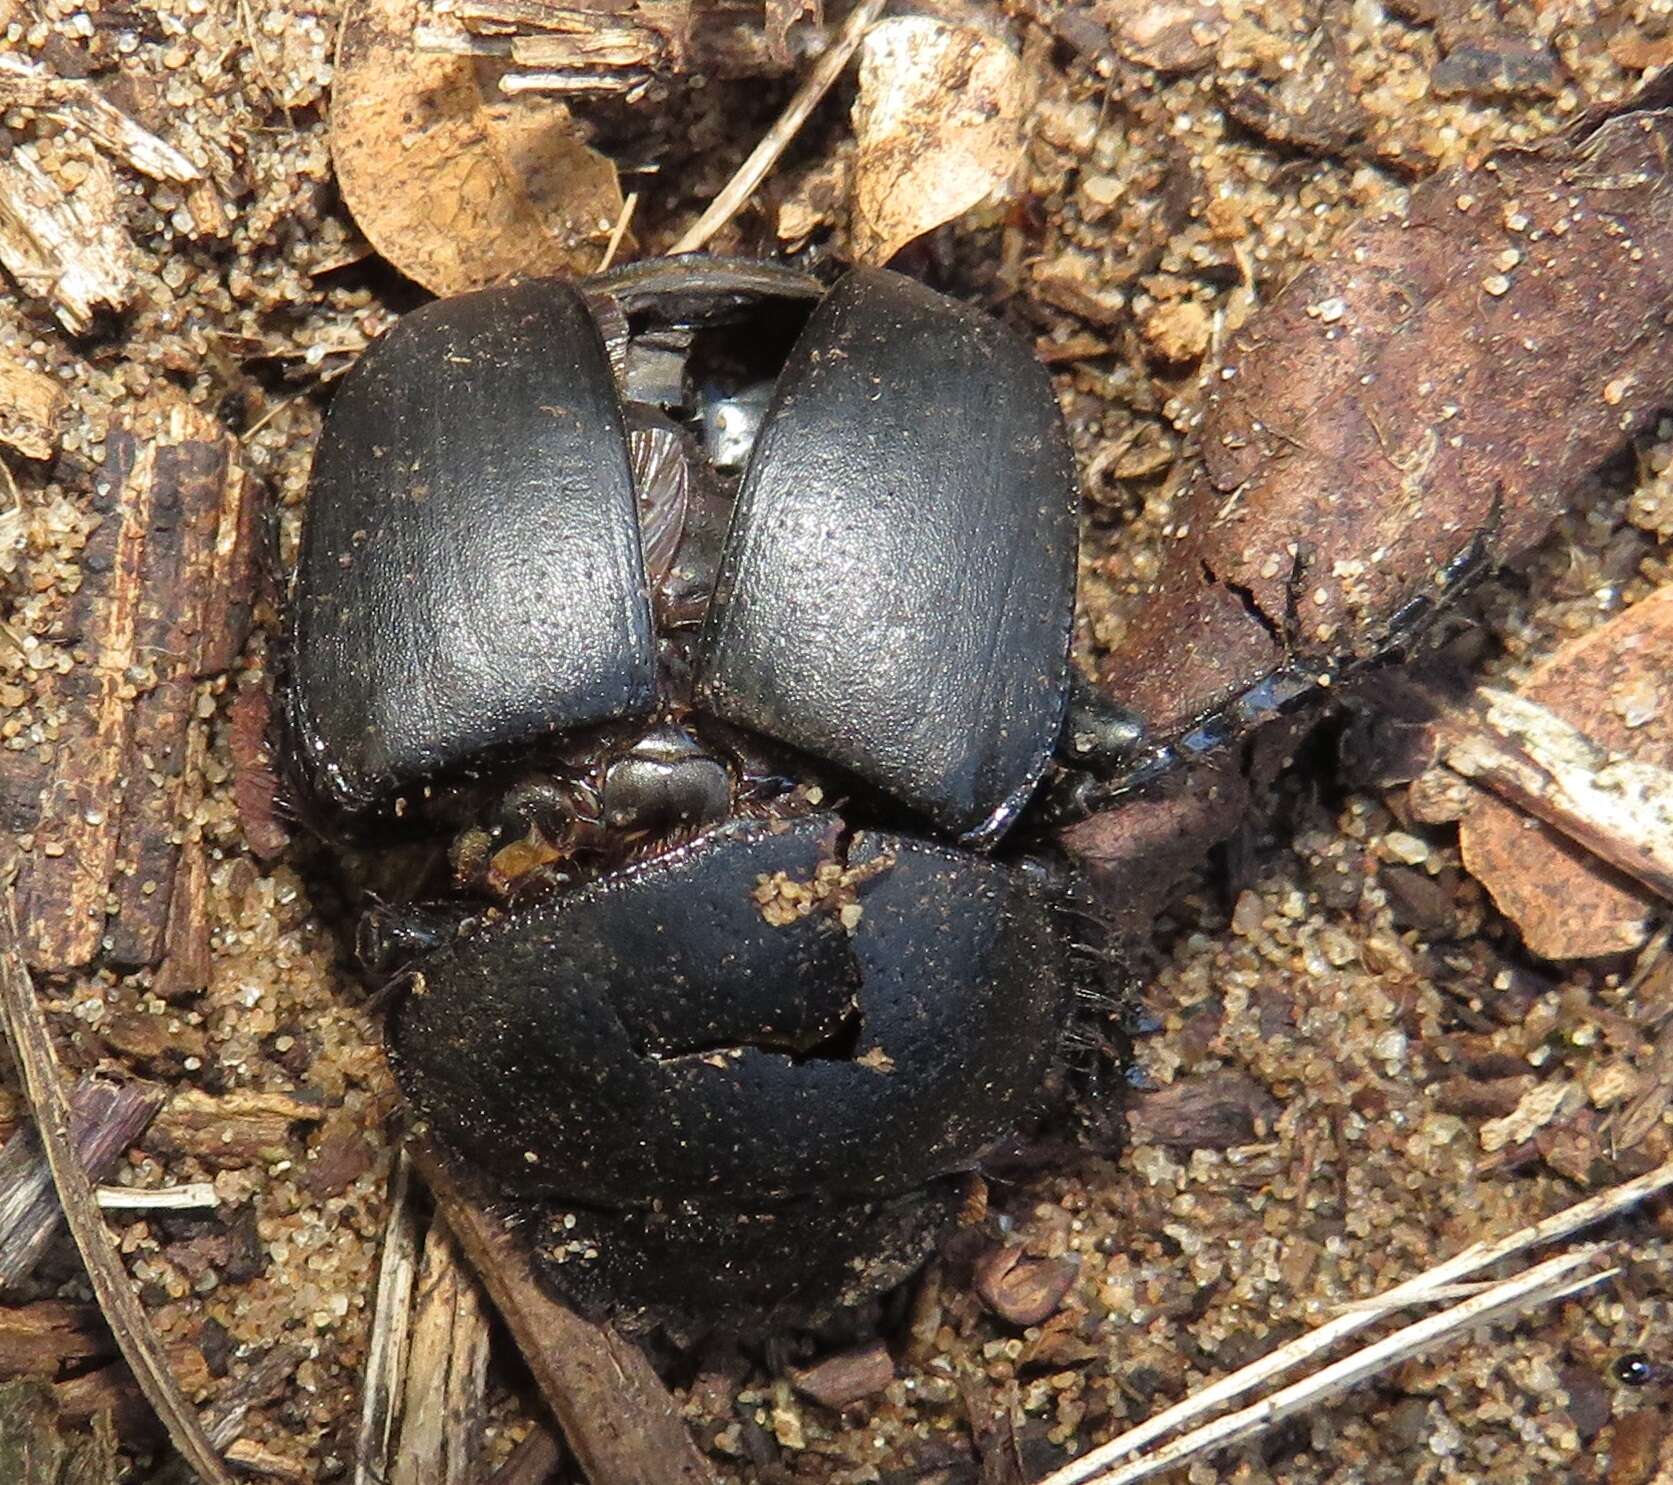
<point x="714" y="626"/>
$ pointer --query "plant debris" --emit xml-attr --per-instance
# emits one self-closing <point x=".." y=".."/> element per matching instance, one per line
<point x="1615" y="685"/>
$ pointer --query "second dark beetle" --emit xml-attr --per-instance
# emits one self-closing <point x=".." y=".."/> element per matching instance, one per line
<point x="723" y="716"/>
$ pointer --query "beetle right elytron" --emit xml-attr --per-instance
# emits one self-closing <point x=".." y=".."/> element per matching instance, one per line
<point x="724" y="705"/>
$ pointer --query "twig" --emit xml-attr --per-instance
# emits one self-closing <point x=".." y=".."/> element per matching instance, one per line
<point x="184" y="1198"/>
<point x="1418" y="1290"/>
<point x="105" y="1118"/>
<point x="1545" y="1282"/>
<point x="386" y="1356"/>
<point x="1619" y="809"/>
<point x="38" y="1061"/>
<point x="620" y="1422"/>
<point x="774" y="142"/>
<point x="618" y="232"/>
<point x="532" y="1461"/>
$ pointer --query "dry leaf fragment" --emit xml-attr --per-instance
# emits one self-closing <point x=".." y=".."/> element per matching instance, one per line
<point x="1616" y="685"/>
<point x="939" y="123"/>
<point x="456" y="192"/>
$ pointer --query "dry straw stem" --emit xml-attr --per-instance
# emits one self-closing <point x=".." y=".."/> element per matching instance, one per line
<point x="31" y="1041"/>
<point x="765" y="155"/>
<point x="1433" y="1283"/>
<point x="386" y="1350"/>
<point x="1541" y="1284"/>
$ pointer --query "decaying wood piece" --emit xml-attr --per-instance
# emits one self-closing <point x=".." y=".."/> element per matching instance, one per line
<point x="447" y="1366"/>
<point x="224" y="1419"/>
<point x="384" y="1379"/>
<point x="617" y="1417"/>
<point x="1413" y="407"/>
<point x="36" y="1340"/>
<point x="105" y="1119"/>
<point x="232" y="1129"/>
<point x="31" y="406"/>
<point x="31" y="1041"/>
<point x="164" y="603"/>
<point x="71" y="250"/>
<point x="40" y="1447"/>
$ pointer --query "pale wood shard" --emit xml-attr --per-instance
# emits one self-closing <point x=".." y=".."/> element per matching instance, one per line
<point x="1616" y="685"/>
<point x="28" y="85"/>
<point x="267" y="1377"/>
<point x="70" y="250"/>
<point x="447" y="1364"/>
<point x="618" y="1418"/>
<point x="168" y="581"/>
<point x="31" y="407"/>
<point x="105" y="1119"/>
<point x="37" y="1059"/>
<point x="386" y="1349"/>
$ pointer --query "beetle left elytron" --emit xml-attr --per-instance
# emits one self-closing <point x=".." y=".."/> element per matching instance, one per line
<point x="725" y="704"/>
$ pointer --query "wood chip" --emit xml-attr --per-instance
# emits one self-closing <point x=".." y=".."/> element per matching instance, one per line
<point x="847" y="1377"/>
<point x="1022" y="1290"/>
<point x="1215" y="1111"/>
<point x="1616" y="685"/>
<point x="105" y="1119"/>
<point x="618" y="1418"/>
<point x="234" y="1129"/>
<point x="165" y="602"/>
<point x="532" y="1462"/>
<point x="1169" y="35"/>
<point x="71" y="250"/>
<point x="939" y="125"/>
<point x="31" y="406"/>
<point x="456" y="190"/>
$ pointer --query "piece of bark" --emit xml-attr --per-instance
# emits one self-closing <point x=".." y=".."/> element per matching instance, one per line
<point x="105" y="1119"/>
<point x="840" y="1380"/>
<point x="164" y="602"/>
<point x="232" y="1129"/>
<point x="255" y="775"/>
<point x="532" y="1462"/>
<point x="618" y="1418"/>
<point x="1615" y="685"/>
<point x="447" y="1363"/>
<point x="109" y="1391"/>
<point x="1423" y="398"/>
<point x="186" y="964"/>
<point x="1022" y="1290"/>
<point x="1215" y="1111"/>
<point x="31" y="408"/>
<point x="39" y="1339"/>
<point x="71" y="250"/>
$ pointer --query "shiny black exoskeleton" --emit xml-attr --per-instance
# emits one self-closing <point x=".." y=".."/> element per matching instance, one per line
<point x="717" y="624"/>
